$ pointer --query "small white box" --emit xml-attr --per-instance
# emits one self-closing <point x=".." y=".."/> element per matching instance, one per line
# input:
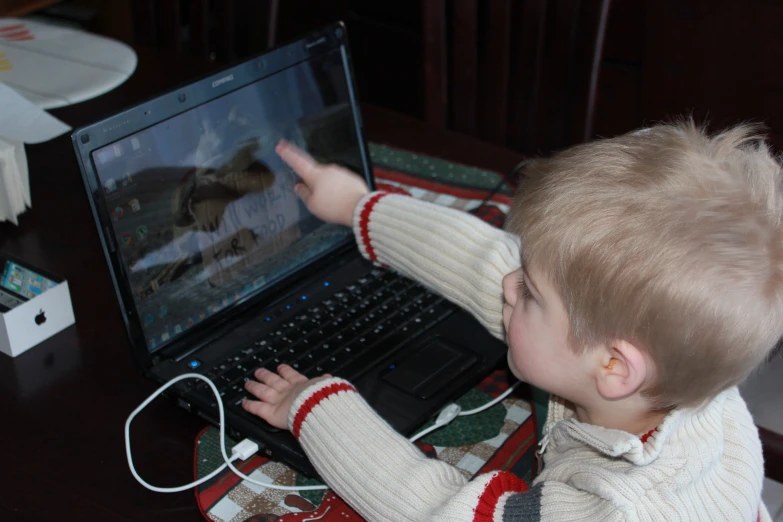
<point x="35" y="320"/>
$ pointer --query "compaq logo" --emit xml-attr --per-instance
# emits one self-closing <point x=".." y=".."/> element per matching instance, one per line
<point x="221" y="81"/>
<point x="117" y="126"/>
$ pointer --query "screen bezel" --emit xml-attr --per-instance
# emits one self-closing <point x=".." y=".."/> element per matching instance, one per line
<point x="176" y="101"/>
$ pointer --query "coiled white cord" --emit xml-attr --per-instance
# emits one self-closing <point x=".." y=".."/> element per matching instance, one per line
<point x="248" y="448"/>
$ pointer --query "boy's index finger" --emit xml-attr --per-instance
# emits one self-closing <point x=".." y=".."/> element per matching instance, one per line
<point x="300" y="161"/>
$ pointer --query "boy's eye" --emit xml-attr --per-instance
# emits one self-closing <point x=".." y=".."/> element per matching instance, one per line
<point x="524" y="291"/>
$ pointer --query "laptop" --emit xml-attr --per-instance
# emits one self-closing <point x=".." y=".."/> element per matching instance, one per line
<point x="219" y="268"/>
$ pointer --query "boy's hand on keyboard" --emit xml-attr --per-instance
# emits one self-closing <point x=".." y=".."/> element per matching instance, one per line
<point x="330" y="192"/>
<point x="276" y="392"/>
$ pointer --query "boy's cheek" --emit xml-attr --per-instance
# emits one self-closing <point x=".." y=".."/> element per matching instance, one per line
<point x="513" y="366"/>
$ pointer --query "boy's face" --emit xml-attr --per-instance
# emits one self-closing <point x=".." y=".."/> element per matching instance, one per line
<point x="537" y="334"/>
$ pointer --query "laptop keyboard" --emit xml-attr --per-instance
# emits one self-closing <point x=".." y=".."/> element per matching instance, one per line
<point x="344" y="334"/>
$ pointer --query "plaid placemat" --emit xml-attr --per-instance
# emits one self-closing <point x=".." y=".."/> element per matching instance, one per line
<point x="502" y="437"/>
<point x="442" y="182"/>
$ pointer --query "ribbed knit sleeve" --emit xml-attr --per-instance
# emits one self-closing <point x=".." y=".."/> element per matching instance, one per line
<point x="450" y="251"/>
<point x="382" y="475"/>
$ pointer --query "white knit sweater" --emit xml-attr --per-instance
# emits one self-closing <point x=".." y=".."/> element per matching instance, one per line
<point x="700" y="464"/>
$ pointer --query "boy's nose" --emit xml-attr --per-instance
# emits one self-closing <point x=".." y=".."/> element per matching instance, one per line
<point x="509" y="287"/>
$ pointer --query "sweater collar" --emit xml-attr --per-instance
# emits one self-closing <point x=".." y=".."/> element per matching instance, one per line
<point x="564" y="431"/>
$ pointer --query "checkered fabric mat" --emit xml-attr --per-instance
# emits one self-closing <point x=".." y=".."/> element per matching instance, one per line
<point x="502" y="437"/>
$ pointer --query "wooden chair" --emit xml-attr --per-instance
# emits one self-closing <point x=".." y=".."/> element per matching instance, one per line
<point x="521" y="74"/>
<point x="219" y="30"/>
<point x="772" y="446"/>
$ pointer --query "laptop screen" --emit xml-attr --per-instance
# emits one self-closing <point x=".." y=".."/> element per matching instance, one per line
<point x="202" y="208"/>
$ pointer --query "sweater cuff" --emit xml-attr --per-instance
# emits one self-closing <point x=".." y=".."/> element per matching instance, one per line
<point x="311" y="397"/>
<point x="494" y="491"/>
<point x="361" y="223"/>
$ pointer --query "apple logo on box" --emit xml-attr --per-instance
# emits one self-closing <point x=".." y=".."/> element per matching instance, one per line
<point x="40" y="318"/>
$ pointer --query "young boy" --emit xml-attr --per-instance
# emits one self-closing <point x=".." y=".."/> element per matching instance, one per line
<point x="649" y="283"/>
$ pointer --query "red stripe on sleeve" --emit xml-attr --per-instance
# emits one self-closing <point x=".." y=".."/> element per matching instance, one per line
<point x="364" y="222"/>
<point x="313" y="401"/>
<point x="503" y="482"/>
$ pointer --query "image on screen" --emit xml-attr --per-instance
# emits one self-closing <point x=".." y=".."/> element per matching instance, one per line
<point x="204" y="210"/>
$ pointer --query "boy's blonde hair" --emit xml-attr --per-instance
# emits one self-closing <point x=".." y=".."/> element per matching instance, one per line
<point x="667" y="238"/>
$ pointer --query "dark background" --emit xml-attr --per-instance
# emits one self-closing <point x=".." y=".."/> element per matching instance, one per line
<point x="715" y="59"/>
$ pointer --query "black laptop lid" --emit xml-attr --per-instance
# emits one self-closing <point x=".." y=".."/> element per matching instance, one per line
<point x="196" y="212"/>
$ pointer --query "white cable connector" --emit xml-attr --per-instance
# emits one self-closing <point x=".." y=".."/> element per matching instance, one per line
<point x="247" y="448"/>
<point x="452" y="411"/>
<point x="448" y="414"/>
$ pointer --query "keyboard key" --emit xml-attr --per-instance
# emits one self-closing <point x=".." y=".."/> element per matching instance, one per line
<point x="309" y="372"/>
<point x="296" y="351"/>
<point x="234" y="404"/>
<point x="311" y="357"/>
<point x="351" y="313"/>
<point x="324" y="348"/>
<point x="235" y="373"/>
<point x="437" y="313"/>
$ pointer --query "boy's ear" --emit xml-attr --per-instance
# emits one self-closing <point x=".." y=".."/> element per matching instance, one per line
<point x="622" y="371"/>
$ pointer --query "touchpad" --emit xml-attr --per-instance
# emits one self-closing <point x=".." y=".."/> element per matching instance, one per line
<point x="424" y="372"/>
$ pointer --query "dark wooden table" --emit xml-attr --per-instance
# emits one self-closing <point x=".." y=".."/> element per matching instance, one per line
<point x="63" y="404"/>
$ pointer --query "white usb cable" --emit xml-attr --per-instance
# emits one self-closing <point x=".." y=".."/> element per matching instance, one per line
<point x="243" y="450"/>
<point x="247" y="448"/>
<point x="452" y="411"/>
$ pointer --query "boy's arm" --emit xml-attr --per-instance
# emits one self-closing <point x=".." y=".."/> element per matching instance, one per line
<point x="453" y="252"/>
<point x="457" y="254"/>
<point x="386" y="478"/>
